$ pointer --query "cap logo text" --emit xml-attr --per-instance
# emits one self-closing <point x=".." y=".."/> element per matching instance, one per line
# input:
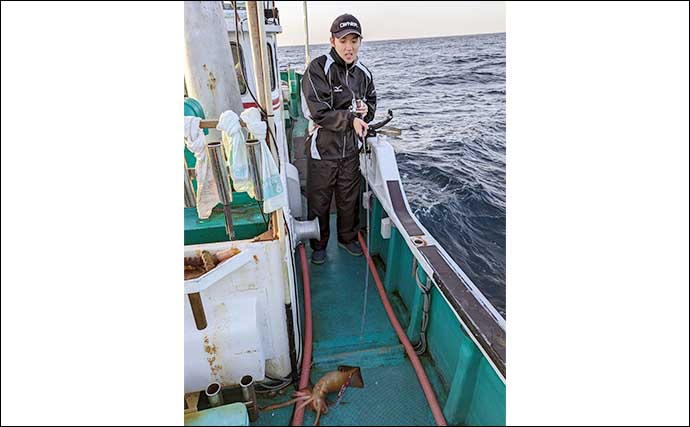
<point x="348" y="24"/>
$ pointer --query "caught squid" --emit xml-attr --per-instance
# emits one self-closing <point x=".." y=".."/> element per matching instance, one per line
<point x="205" y="262"/>
<point x="315" y="398"/>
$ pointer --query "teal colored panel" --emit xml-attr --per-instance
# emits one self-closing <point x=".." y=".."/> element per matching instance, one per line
<point x="247" y="220"/>
<point x="417" y="310"/>
<point x="295" y="94"/>
<point x="300" y="127"/>
<point x="462" y="387"/>
<point x="192" y="107"/>
<point x="488" y="405"/>
<point x="407" y="287"/>
<point x="444" y="335"/>
<point x="233" y="414"/>
<point x="390" y="282"/>
<point x="400" y="282"/>
<point x="376" y="241"/>
<point x="378" y="245"/>
<point x="476" y="395"/>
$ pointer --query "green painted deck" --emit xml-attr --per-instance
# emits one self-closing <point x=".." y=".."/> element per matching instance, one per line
<point x="247" y="221"/>
<point x="391" y="394"/>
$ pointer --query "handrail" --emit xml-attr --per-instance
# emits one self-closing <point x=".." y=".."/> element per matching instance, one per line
<point x="211" y="124"/>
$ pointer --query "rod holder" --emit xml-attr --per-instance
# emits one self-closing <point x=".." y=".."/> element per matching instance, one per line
<point x="249" y="396"/>
<point x="198" y="310"/>
<point x="220" y="174"/>
<point x="214" y="394"/>
<point x="189" y="196"/>
<point x="254" y="157"/>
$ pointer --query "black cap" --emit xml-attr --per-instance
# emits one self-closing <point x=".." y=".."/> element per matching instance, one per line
<point x="344" y="25"/>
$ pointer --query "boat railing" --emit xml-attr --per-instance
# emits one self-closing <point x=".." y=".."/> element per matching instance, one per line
<point x="482" y="322"/>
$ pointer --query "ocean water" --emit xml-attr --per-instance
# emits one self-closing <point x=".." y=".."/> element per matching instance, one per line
<point x="448" y="98"/>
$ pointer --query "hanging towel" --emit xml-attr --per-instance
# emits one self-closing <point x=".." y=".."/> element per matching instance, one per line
<point x="236" y="149"/>
<point x="206" y="190"/>
<point x="252" y="120"/>
<point x="273" y="188"/>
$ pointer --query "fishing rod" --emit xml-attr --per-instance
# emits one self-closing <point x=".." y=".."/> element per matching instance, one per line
<point x="379" y="125"/>
<point x="366" y="150"/>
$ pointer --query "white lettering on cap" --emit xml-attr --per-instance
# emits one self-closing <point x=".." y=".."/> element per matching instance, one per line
<point x="348" y="24"/>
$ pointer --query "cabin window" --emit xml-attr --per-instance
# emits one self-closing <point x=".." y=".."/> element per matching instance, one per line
<point x="238" y="60"/>
<point x="273" y="67"/>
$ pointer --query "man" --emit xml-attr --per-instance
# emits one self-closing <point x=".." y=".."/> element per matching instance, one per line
<point x="338" y="95"/>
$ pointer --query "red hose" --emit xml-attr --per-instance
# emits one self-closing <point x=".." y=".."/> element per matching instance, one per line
<point x="298" y="416"/>
<point x="421" y="375"/>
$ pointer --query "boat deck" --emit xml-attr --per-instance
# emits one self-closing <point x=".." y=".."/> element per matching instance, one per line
<point x="391" y="394"/>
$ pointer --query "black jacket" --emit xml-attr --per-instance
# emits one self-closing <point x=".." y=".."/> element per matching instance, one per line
<point x="329" y="86"/>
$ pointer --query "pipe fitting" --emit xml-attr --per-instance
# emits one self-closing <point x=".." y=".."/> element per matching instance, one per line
<point x="254" y="161"/>
<point x="189" y="196"/>
<point x="249" y="396"/>
<point x="214" y="394"/>
<point x="305" y="230"/>
<point x="220" y="174"/>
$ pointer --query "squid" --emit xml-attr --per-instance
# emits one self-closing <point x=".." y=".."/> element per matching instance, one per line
<point x="315" y="398"/>
<point x="206" y="261"/>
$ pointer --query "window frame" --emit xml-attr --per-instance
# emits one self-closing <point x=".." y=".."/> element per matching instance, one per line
<point x="272" y="60"/>
<point x="243" y="71"/>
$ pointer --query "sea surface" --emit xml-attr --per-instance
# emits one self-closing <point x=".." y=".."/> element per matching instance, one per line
<point x="448" y="96"/>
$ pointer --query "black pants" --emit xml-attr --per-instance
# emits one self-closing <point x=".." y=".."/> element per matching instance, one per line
<point x="343" y="177"/>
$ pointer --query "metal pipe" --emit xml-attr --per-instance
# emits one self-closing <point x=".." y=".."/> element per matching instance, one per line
<point x="256" y="50"/>
<point x="257" y="36"/>
<point x="254" y="157"/>
<point x="189" y="196"/>
<point x="220" y="173"/>
<point x="268" y="85"/>
<point x="305" y="230"/>
<point x="249" y="396"/>
<point x="214" y="394"/>
<point x="198" y="310"/>
<point x="262" y="72"/>
<point x="298" y="414"/>
<point x="291" y="340"/>
<point x="307" y="56"/>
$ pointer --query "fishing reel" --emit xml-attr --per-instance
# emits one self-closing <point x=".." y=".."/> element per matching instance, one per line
<point x="371" y="132"/>
<point x="356" y="103"/>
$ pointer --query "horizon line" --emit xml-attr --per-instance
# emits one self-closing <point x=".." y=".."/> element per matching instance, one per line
<point x="412" y="38"/>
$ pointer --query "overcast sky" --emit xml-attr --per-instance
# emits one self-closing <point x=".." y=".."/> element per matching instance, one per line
<point x="388" y="20"/>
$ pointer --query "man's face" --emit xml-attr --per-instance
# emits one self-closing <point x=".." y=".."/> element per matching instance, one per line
<point x="347" y="47"/>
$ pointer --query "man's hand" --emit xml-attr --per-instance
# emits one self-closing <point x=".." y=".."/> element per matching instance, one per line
<point x="362" y="109"/>
<point x="360" y="126"/>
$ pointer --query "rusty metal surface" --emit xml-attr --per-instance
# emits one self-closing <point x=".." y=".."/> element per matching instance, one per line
<point x="192" y="401"/>
<point x="198" y="311"/>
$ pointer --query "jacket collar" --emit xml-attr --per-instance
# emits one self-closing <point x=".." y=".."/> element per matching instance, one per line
<point x="338" y="60"/>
